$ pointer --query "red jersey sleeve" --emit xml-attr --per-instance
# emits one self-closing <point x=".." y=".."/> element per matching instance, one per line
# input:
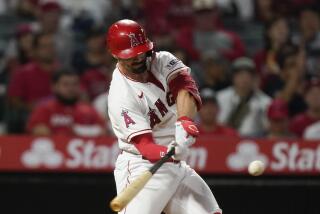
<point x="148" y="149"/>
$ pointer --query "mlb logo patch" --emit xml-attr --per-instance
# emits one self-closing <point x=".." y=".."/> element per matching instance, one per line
<point x="172" y="63"/>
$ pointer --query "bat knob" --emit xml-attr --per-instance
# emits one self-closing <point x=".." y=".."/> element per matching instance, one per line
<point x="115" y="206"/>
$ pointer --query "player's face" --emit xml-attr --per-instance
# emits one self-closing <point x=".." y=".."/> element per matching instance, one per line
<point x="135" y="65"/>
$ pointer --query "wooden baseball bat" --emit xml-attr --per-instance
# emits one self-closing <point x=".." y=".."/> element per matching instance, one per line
<point x="121" y="200"/>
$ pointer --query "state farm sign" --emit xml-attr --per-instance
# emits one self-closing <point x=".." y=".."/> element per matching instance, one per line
<point x="294" y="157"/>
<point x="78" y="153"/>
<point x="89" y="155"/>
<point x="86" y="154"/>
<point x="278" y="156"/>
<point x="208" y="155"/>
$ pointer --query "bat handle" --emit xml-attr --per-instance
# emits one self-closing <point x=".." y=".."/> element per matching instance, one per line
<point x="164" y="159"/>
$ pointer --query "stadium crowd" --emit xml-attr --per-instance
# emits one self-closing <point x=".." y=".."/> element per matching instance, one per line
<point x="256" y="62"/>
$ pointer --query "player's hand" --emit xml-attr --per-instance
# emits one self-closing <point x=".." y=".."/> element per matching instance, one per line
<point x="186" y="131"/>
<point x="180" y="151"/>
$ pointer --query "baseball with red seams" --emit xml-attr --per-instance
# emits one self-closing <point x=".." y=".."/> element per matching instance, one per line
<point x="256" y="168"/>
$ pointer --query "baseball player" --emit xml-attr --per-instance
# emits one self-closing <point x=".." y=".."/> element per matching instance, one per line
<point x="151" y="103"/>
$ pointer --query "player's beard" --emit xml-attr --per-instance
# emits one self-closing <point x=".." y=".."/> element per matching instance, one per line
<point x="67" y="101"/>
<point x="141" y="68"/>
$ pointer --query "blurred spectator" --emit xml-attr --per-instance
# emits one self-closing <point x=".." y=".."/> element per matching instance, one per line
<point x="27" y="9"/>
<point x="238" y="9"/>
<point x="64" y="114"/>
<point x="96" y="9"/>
<point x="181" y="14"/>
<point x="213" y="72"/>
<point x="19" y="50"/>
<point x="312" y="132"/>
<point x="276" y="34"/>
<point x="96" y="81"/>
<point x="155" y="12"/>
<point x="243" y="104"/>
<point x="309" y="38"/>
<point x="312" y="114"/>
<point x="278" y="117"/>
<point x="49" y="21"/>
<point x="208" y="35"/>
<point x="208" y="116"/>
<point x="264" y="10"/>
<point x="93" y="55"/>
<point x="288" y="84"/>
<point x="100" y="103"/>
<point x="31" y="82"/>
<point x="255" y="10"/>
<point x="298" y="4"/>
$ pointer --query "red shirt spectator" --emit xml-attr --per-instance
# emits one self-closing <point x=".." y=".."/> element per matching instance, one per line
<point x="208" y="116"/>
<point x="95" y="81"/>
<point x="219" y="130"/>
<point x="312" y="114"/>
<point x="278" y="116"/>
<point x="66" y="119"/>
<point x="300" y="122"/>
<point x="154" y="12"/>
<point x="208" y="36"/>
<point x="30" y="83"/>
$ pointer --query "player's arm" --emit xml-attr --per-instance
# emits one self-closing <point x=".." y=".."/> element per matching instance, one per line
<point x="134" y="127"/>
<point x="154" y="152"/>
<point x="188" y="102"/>
<point x="186" y="94"/>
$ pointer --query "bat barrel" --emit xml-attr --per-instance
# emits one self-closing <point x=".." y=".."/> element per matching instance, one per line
<point x="121" y="201"/>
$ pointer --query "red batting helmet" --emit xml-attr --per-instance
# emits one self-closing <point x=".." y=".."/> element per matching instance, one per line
<point x="127" y="39"/>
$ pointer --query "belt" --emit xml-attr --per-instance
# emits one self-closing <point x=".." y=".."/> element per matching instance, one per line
<point x="171" y="160"/>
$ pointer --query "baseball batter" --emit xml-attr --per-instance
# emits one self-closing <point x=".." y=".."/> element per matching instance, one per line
<point x="151" y="101"/>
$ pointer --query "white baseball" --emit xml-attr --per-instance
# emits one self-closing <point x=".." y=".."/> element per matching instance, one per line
<point x="256" y="168"/>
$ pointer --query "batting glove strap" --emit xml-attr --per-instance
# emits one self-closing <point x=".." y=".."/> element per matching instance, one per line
<point x="180" y="151"/>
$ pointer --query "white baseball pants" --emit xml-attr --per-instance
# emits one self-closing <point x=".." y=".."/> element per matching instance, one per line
<point x="175" y="188"/>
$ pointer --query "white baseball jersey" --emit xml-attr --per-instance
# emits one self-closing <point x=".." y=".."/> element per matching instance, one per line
<point x="136" y="108"/>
